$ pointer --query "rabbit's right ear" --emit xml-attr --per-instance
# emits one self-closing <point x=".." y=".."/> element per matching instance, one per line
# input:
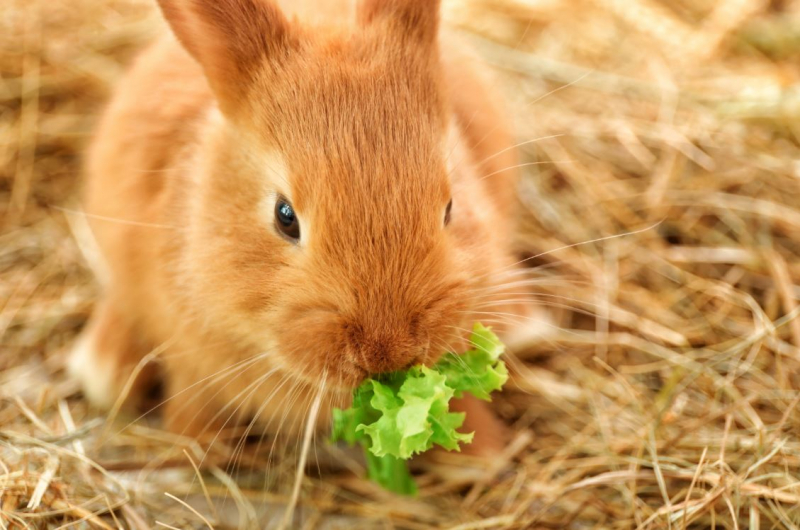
<point x="230" y="39"/>
<point x="416" y="19"/>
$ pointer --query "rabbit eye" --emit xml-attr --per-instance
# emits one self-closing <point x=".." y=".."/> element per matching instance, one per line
<point x="286" y="220"/>
<point x="447" y="212"/>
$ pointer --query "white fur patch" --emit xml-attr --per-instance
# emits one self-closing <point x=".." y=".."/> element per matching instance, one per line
<point x="95" y="374"/>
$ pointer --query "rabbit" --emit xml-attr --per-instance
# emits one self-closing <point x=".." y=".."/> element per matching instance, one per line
<point x="286" y="205"/>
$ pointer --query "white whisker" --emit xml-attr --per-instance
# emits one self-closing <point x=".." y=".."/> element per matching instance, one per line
<point x="310" y="424"/>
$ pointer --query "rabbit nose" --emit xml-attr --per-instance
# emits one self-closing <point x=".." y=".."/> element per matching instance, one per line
<point x="381" y="356"/>
<point x="379" y="363"/>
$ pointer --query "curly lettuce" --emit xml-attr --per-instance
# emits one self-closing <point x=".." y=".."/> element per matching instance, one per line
<point x="398" y="415"/>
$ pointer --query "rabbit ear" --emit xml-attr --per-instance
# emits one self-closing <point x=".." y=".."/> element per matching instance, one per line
<point x="416" y="19"/>
<point x="229" y="38"/>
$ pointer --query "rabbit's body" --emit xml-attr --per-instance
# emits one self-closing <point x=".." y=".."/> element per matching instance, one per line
<point x="366" y="131"/>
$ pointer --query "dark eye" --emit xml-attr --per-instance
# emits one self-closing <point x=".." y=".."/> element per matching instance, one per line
<point x="447" y="212"/>
<point x="286" y="220"/>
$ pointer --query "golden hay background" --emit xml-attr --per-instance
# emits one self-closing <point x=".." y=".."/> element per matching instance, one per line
<point x="667" y="396"/>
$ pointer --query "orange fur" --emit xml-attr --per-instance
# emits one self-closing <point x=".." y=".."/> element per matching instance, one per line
<point x="369" y="127"/>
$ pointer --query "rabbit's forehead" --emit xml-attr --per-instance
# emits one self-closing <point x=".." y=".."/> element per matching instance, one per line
<point x="333" y="106"/>
<point x="317" y="180"/>
<point x="371" y="175"/>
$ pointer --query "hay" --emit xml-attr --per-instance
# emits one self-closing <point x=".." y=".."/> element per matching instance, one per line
<point x="667" y="396"/>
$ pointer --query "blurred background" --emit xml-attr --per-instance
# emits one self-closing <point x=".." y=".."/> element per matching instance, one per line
<point x="661" y="213"/>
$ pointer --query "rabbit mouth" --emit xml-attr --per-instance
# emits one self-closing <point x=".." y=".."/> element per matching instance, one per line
<point x="349" y="377"/>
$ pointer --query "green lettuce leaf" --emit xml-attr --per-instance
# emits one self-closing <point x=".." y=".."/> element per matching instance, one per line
<point x="414" y="417"/>
<point x="398" y="415"/>
<point x="478" y="371"/>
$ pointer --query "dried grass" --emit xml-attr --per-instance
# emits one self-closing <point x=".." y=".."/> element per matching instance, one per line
<point x="666" y="398"/>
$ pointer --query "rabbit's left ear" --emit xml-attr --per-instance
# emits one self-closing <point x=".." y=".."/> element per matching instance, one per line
<point x="230" y="39"/>
<point x="414" y="19"/>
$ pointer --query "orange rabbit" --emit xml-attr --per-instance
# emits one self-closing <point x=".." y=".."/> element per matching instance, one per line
<point x="280" y="203"/>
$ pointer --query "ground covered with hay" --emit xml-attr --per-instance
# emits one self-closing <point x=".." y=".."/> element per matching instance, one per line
<point x="662" y="224"/>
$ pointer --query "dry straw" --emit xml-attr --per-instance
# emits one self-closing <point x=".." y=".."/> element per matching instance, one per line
<point x="661" y="213"/>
